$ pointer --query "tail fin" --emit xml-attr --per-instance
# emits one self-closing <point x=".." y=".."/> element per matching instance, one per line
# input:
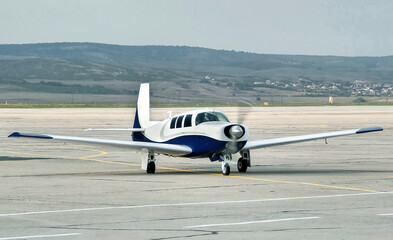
<point x="142" y="114"/>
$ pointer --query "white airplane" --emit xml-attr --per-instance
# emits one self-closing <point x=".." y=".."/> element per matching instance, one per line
<point x="195" y="134"/>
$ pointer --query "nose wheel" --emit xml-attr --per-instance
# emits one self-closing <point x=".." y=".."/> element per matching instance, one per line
<point x="225" y="159"/>
<point x="226" y="169"/>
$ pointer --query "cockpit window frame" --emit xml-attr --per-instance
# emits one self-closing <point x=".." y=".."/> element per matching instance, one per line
<point x="210" y="116"/>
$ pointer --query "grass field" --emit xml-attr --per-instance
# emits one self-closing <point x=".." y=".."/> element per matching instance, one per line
<point x="185" y="105"/>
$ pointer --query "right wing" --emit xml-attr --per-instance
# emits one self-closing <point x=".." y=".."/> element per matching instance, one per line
<point x="303" y="138"/>
<point x="161" y="148"/>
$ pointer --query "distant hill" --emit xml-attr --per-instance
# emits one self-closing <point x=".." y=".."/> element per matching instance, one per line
<point x="182" y="73"/>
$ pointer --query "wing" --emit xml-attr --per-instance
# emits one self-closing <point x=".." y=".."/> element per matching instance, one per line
<point x="303" y="138"/>
<point x="162" y="148"/>
<point x="116" y="129"/>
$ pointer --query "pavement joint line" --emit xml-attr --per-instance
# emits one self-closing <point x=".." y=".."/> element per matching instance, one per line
<point x="251" y="222"/>
<point x="386" y="214"/>
<point x="41" y="236"/>
<point x="89" y="158"/>
<point x="188" y="204"/>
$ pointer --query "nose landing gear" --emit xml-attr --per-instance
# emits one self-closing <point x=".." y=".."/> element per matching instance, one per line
<point x="225" y="159"/>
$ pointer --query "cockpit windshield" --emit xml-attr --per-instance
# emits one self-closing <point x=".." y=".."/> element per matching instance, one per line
<point x="210" y="117"/>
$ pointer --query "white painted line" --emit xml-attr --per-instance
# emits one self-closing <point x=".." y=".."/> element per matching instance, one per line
<point x="190" y="204"/>
<point x="251" y="222"/>
<point x="42" y="236"/>
<point x="386" y="214"/>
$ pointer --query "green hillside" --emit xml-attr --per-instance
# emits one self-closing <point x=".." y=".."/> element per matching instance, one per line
<point x="186" y="73"/>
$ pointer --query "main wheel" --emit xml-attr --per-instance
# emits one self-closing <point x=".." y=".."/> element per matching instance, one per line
<point x="226" y="169"/>
<point x="242" y="165"/>
<point x="151" y="167"/>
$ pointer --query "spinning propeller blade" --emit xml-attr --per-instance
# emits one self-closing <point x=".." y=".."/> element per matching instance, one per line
<point x="244" y="108"/>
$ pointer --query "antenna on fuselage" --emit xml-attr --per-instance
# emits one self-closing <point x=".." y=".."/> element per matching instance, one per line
<point x="169" y="114"/>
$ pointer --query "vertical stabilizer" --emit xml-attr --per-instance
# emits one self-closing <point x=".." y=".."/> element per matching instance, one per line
<point x="142" y="115"/>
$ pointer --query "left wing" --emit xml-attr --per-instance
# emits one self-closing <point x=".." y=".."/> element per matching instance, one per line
<point x="116" y="129"/>
<point x="303" y="138"/>
<point x="162" y="148"/>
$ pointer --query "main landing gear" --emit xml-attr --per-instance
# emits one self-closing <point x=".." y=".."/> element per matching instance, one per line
<point x="242" y="165"/>
<point x="148" y="164"/>
<point x="151" y="167"/>
<point x="244" y="161"/>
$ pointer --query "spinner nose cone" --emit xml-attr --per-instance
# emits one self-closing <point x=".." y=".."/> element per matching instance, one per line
<point x="236" y="132"/>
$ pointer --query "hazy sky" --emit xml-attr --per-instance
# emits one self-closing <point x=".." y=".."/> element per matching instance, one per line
<point x="312" y="27"/>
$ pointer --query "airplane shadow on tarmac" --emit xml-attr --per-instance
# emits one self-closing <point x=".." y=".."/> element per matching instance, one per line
<point x="251" y="173"/>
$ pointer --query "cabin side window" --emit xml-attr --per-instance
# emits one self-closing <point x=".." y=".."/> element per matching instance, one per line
<point x="179" y="121"/>
<point x="173" y="122"/>
<point x="187" y="120"/>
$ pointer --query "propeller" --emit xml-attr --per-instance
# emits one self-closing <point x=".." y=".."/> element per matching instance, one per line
<point x="236" y="131"/>
<point x="243" y="103"/>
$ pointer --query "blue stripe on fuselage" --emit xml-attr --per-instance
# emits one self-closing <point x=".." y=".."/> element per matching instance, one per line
<point x="202" y="146"/>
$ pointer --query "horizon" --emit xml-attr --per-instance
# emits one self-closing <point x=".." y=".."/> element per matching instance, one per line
<point x="237" y="51"/>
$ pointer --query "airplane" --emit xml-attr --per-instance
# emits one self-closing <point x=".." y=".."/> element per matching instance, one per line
<point x="205" y="133"/>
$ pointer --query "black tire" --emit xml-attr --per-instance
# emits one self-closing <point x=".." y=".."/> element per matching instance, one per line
<point x="226" y="170"/>
<point x="151" y="167"/>
<point x="242" y="165"/>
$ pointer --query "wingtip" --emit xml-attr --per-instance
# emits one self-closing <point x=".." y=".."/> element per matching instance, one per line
<point x="14" y="134"/>
<point x="30" y="135"/>
<point x="370" y="129"/>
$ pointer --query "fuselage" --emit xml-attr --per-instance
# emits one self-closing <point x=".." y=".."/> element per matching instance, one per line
<point x="206" y="132"/>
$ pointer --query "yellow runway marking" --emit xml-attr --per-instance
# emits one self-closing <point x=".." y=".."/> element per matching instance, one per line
<point x="304" y="183"/>
<point x="101" y="153"/>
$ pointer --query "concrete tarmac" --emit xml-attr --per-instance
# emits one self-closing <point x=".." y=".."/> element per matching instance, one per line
<point x="311" y="190"/>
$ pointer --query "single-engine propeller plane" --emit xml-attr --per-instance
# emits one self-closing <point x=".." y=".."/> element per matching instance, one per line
<point x="195" y="134"/>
